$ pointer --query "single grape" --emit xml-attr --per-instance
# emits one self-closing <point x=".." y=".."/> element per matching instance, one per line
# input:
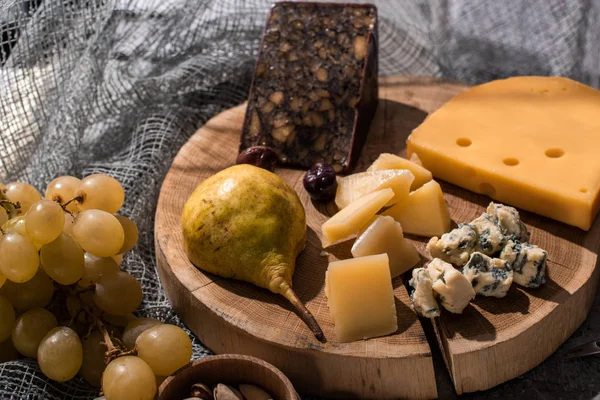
<point x="17" y="224"/>
<point x="62" y="189"/>
<point x="99" y="233"/>
<point x="120" y="321"/>
<point x="30" y="328"/>
<point x="127" y="378"/>
<point x="320" y="182"/>
<point x="44" y="221"/>
<point x="118" y="258"/>
<point x="23" y="193"/>
<point x="3" y="216"/>
<point x="259" y="156"/>
<point x="134" y="328"/>
<point x="62" y="259"/>
<point x="8" y="351"/>
<point x="60" y="354"/>
<point x="118" y="293"/>
<point x="165" y="348"/>
<point x="93" y="358"/>
<point x="131" y="233"/>
<point x="35" y="293"/>
<point x="69" y="222"/>
<point x="19" y="259"/>
<point x="100" y="192"/>
<point x="7" y="318"/>
<point x="75" y="308"/>
<point x="94" y="267"/>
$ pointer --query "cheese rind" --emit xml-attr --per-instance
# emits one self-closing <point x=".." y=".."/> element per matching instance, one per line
<point x="352" y="187"/>
<point x="527" y="141"/>
<point x="361" y="298"/>
<point x="350" y="220"/>
<point x="391" y="161"/>
<point x="424" y="212"/>
<point x="385" y="235"/>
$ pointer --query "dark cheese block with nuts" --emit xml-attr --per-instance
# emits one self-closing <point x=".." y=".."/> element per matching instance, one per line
<point x="314" y="91"/>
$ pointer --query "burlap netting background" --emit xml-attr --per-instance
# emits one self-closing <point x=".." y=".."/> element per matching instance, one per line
<point x="118" y="87"/>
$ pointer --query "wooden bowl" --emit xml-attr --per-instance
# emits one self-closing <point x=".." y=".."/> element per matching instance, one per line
<point x="230" y="369"/>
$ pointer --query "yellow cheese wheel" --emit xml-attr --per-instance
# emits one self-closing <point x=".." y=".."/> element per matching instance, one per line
<point x="533" y="142"/>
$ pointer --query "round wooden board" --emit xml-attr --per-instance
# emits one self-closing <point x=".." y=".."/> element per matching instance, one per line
<point x="494" y="340"/>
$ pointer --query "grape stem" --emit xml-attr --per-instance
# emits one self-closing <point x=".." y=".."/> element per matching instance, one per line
<point x="12" y="209"/>
<point x="76" y="198"/>
<point x="112" y="351"/>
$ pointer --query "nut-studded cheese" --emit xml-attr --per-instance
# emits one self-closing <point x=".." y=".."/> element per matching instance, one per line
<point x="314" y="92"/>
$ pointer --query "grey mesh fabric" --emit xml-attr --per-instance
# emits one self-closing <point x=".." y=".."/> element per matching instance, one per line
<point x="118" y="86"/>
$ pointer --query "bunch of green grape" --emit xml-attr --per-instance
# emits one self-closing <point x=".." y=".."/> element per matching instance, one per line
<point x="64" y="299"/>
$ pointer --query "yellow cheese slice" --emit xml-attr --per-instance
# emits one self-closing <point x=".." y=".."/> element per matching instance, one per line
<point x="390" y="161"/>
<point x="361" y="298"/>
<point x="424" y="213"/>
<point x="353" y="186"/>
<point x="350" y="220"/>
<point x="385" y="235"/>
<point x="532" y="142"/>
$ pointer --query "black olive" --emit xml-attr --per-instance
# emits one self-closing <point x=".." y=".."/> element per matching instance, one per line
<point x="259" y="156"/>
<point x="320" y="182"/>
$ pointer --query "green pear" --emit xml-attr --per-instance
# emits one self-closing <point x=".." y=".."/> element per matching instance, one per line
<point x="246" y="223"/>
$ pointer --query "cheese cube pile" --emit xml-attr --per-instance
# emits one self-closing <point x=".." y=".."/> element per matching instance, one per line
<point x="397" y="196"/>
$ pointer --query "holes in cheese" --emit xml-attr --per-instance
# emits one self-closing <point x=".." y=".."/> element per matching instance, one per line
<point x="361" y="298"/>
<point x="385" y="235"/>
<point x="391" y="161"/>
<point x="424" y="213"/>
<point x="350" y="220"/>
<point x="555" y="153"/>
<point x="463" y="142"/>
<point x="551" y="125"/>
<point x="511" y="161"/>
<point x="354" y="186"/>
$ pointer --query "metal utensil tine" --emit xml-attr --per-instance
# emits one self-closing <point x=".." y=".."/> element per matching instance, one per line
<point x="585" y="349"/>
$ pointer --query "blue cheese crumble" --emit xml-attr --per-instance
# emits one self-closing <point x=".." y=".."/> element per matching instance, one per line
<point x="528" y="263"/>
<point x="488" y="276"/>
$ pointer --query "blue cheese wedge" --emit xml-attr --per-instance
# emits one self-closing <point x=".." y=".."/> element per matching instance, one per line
<point x="528" y="263"/>
<point x="453" y="289"/>
<point x="422" y="296"/>
<point x="488" y="276"/>
<point x="507" y="218"/>
<point x="455" y="246"/>
<point x="490" y="238"/>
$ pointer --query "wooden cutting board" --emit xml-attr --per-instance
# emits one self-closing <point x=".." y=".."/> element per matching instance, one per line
<point x="494" y="340"/>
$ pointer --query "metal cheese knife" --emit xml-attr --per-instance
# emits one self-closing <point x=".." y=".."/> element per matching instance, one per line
<point x="586" y="349"/>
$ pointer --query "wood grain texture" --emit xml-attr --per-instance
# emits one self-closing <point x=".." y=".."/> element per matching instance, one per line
<point x="229" y="369"/>
<point x="492" y="341"/>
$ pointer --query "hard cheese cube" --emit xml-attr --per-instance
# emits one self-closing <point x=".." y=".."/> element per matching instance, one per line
<point x="528" y="141"/>
<point x="385" y="236"/>
<point x="352" y="219"/>
<point x="391" y="161"/>
<point x="424" y="213"/>
<point x="361" y="298"/>
<point x="354" y="186"/>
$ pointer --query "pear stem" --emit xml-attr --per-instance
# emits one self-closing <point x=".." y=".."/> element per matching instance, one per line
<point x="305" y="315"/>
